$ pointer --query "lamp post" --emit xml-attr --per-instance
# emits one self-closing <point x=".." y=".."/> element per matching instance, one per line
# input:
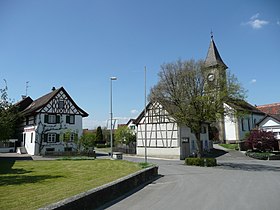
<point x="111" y="114"/>
<point x="145" y="105"/>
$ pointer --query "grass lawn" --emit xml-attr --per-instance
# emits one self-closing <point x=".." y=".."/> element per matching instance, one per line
<point x="34" y="184"/>
<point x="229" y="146"/>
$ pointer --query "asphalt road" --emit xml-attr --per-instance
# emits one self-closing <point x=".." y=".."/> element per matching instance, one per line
<point x="238" y="183"/>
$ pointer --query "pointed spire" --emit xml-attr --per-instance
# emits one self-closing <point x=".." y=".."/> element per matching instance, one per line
<point x="213" y="57"/>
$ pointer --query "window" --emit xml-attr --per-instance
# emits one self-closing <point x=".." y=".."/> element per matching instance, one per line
<point x="249" y="124"/>
<point x="255" y="122"/>
<point x="72" y="136"/>
<point x="61" y="104"/>
<point x="52" y="118"/>
<point x="70" y="119"/>
<point x="31" y="138"/>
<point x="203" y="129"/>
<point x="27" y="121"/>
<point x="242" y="124"/>
<point x="51" y="137"/>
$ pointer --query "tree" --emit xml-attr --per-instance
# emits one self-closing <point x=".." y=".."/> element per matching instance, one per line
<point x="88" y="140"/>
<point x="261" y="140"/>
<point x="124" y="135"/>
<point x="9" y="116"/>
<point x="190" y="99"/>
<point x="99" y="135"/>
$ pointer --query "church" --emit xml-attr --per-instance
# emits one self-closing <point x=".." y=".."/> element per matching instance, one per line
<point x="164" y="137"/>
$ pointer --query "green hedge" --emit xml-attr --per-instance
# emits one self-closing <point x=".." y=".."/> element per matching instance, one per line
<point x="102" y="146"/>
<point x="263" y="155"/>
<point x="209" y="162"/>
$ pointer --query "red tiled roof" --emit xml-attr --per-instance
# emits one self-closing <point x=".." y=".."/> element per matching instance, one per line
<point x="272" y="109"/>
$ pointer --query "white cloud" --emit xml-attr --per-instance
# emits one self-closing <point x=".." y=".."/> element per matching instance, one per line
<point x="255" y="16"/>
<point x="278" y="22"/>
<point x="134" y="111"/>
<point x="253" y="81"/>
<point x="255" y="22"/>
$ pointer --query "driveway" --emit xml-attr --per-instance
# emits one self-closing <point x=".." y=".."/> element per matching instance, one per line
<point x="238" y="183"/>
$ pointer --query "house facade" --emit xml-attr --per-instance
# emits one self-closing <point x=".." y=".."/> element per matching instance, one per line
<point x="52" y="123"/>
<point x="271" y="122"/>
<point x="164" y="137"/>
<point x="236" y="127"/>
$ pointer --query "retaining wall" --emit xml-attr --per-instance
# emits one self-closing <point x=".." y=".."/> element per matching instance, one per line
<point x="97" y="197"/>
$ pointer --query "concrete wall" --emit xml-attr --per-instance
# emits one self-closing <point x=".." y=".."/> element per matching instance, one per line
<point x="173" y="153"/>
<point x="97" y="197"/>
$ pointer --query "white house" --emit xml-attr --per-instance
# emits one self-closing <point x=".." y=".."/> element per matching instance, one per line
<point x="51" y="123"/>
<point x="164" y="136"/>
<point x="236" y="127"/>
<point x="271" y="122"/>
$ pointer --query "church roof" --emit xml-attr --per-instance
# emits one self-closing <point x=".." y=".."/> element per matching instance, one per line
<point x="213" y="57"/>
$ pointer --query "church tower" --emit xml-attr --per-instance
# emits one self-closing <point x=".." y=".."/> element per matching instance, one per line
<point x="215" y="75"/>
<point x="215" y="68"/>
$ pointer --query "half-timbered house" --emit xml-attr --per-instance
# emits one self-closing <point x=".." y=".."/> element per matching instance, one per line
<point x="164" y="136"/>
<point x="52" y="123"/>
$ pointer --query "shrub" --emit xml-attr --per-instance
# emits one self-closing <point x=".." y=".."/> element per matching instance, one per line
<point x="209" y="162"/>
<point x="261" y="140"/>
<point x="102" y="146"/>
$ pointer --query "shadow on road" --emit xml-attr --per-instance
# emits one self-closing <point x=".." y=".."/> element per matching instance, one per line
<point x="111" y="203"/>
<point x="248" y="167"/>
<point x="214" y="153"/>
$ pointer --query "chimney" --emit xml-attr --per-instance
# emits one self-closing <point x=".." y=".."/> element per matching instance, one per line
<point x="23" y="97"/>
<point x="53" y="88"/>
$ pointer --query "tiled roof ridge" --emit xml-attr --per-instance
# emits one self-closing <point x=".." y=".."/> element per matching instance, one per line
<point x="269" y="105"/>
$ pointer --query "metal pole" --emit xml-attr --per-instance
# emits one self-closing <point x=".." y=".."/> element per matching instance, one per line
<point x="145" y="117"/>
<point x="111" y="114"/>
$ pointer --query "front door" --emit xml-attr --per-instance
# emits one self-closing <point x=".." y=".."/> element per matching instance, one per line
<point x="185" y="148"/>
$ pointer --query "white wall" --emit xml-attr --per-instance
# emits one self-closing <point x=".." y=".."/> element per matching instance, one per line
<point x="173" y="153"/>
<point x="271" y="124"/>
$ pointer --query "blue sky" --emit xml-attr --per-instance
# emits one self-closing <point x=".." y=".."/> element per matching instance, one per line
<point x="80" y="44"/>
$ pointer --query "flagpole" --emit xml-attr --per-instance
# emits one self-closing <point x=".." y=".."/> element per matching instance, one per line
<point x="145" y="115"/>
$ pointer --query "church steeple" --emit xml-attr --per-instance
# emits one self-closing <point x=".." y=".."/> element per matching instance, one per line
<point x="213" y="58"/>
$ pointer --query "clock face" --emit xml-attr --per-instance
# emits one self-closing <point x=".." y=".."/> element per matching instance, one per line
<point x="211" y="77"/>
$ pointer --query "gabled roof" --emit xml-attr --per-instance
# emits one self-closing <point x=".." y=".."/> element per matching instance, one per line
<point x="24" y="103"/>
<point x="275" y="117"/>
<point x="242" y="105"/>
<point x="213" y="57"/>
<point x="130" y="120"/>
<point x="271" y="109"/>
<point x="44" y="100"/>
<point x="142" y="114"/>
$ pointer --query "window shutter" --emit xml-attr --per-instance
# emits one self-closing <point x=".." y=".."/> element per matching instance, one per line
<point x="57" y="138"/>
<point x="57" y="118"/>
<point x="45" y="138"/>
<point x="46" y="118"/>
<point x="67" y="119"/>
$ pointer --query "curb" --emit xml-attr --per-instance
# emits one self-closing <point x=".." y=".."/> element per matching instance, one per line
<point x="99" y="196"/>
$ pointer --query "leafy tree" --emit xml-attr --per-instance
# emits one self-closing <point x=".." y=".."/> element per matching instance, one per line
<point x="261" y="140"/>
<point x="185" y="93"/>
<point x="124" y="135"/>
<point x="9" y="116"/>
<point x="88" y="140"/>
<point x="99" y="134"/>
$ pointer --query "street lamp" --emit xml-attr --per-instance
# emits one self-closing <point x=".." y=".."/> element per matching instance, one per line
<point x="111" y="114"/>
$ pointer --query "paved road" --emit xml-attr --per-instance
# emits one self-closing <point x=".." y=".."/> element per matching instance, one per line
<point x="238" y="183"/>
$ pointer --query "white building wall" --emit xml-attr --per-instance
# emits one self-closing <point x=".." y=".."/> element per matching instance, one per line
<point x="30" y="139"/>
<point x="58" y="128"/>
<point x="270" y="124"/>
